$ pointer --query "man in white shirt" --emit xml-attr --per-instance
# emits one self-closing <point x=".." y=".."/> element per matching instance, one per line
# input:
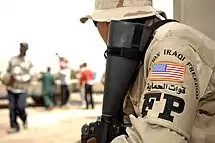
<point x="65" y="73"/>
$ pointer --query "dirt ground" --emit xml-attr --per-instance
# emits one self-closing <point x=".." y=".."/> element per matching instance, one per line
<point x="57" y="126"/>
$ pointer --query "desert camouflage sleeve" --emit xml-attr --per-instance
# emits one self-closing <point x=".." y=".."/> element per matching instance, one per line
<point x="170" y="98"/>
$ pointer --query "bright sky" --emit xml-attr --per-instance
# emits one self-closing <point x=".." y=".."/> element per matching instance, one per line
<point x="51" y="26"/>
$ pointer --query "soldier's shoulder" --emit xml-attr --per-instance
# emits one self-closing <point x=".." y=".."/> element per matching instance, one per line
<point x="198" y="41"/>
<point x="173" y="27"/>
<point x="182" y="31"/>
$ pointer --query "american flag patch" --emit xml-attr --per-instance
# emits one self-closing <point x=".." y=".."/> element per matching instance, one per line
<point x="167" y="72"/>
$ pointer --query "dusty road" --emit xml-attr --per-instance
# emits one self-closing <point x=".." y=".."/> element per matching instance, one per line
<point x="57" y="126"/>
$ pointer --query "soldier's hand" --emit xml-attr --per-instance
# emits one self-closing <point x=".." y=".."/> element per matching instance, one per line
<point x="91" y="140"/>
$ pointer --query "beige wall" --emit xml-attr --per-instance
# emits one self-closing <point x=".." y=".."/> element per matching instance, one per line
<point x="199" y="14"/>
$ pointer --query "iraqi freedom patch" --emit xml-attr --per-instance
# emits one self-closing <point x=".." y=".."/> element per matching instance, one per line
<point x="167" y="72"/>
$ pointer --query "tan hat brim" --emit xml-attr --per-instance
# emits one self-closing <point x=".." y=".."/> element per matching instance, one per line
<point x="121" y="13"/>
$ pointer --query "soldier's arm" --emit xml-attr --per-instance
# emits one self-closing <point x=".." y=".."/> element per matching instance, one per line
<point x="169" y="102"/>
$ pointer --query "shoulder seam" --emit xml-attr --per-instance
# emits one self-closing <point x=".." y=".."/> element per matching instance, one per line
<point x="200" y="57"/>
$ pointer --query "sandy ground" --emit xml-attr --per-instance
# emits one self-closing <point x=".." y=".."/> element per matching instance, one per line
<point x="57" y="126"/>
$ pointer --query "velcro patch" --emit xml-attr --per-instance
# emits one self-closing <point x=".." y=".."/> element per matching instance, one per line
<point x="167" y="72"/>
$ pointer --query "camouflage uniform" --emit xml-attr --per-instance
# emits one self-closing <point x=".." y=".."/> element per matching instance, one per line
<point x="186" y="89"/>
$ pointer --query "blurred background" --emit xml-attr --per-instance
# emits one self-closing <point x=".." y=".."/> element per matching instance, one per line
<point x="51" y="26"/>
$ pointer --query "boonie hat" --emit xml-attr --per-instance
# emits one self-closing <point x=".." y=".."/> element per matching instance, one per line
<point x="107" y="10"/>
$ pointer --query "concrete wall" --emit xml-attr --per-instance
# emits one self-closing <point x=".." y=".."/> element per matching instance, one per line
<point x="196" y="13"/>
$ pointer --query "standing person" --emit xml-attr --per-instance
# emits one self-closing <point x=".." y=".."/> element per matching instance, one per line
<point x="65" y="73"/>
<point x="174" y="89"/>
<point x="20" y="71"/>
<point x="82" y="86"/>
<point x="86" y="80"/>
<point x="48" y="82"/>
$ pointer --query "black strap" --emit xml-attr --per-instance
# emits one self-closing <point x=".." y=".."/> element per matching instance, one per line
<point x="136" y="40"/>
<point x="158" y="24"/>
<point x="129" y="53"/>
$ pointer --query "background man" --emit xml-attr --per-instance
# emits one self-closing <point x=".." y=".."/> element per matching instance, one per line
<point x="189" y="53"/>
<point x="20" y="71"/>
<point x="86" y="80"/>
<point x="48" y="83"/>
<point x="82" y="87"/>
<point x="65" y="81"/>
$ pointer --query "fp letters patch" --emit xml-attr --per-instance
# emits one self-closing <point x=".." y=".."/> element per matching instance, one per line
<point x="167" y="72"/>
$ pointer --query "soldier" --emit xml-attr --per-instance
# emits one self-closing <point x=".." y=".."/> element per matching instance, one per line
<point x="174" y="91"/>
